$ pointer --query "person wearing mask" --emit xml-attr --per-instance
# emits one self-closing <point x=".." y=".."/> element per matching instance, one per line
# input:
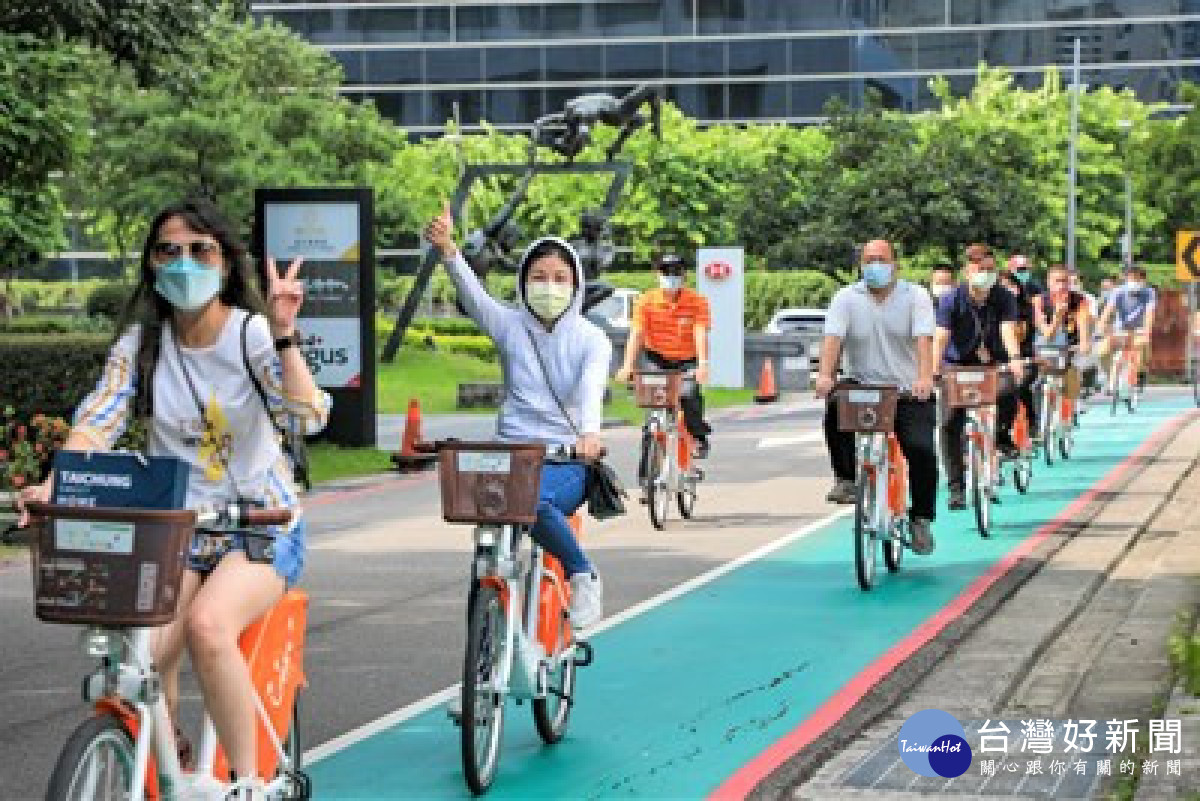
<point x="1131" y="311"/>
<point x="555" y="366"/>
<point x="1019" y="280"/>
<point x="979" y="324"/>
<point x="195" y="339"/>
<point x="883" y="327"/>
<point x="941" y="281"/>
<point x="1064" y="320"/>
<point x="669" y="327"/>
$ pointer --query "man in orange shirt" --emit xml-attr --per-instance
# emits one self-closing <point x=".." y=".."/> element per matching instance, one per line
<point x="671" y="324"/>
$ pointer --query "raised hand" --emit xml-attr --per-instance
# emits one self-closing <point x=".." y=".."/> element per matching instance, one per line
<point x="440" y="232"/>
<point x="285" y="295"/>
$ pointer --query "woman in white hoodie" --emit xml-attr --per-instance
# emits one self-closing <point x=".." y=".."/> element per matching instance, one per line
<point x="555" y="365"/>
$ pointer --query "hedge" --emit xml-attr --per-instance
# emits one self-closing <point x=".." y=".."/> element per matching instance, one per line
<point x="49" y="375"/>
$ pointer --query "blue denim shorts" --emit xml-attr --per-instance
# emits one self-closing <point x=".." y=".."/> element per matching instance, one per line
<point x="286" y="552"/>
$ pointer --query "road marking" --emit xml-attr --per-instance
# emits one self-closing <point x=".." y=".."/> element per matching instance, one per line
<point x="381" y="724"/>
<point x="798" y="439"/>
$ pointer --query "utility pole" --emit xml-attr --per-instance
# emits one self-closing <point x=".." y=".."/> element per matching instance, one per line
<point x="1071" y="161"/>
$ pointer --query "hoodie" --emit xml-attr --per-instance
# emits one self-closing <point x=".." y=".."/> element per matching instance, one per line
<point x="575" y="351"/>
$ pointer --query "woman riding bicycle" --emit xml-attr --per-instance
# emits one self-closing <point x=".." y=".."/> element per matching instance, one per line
<point x="194" y="324"/>
<point x="555" y="365"/>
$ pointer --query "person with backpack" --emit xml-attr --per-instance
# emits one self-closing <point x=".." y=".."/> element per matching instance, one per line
<point x="214" y="373"/>
<point x="555" y="365"/>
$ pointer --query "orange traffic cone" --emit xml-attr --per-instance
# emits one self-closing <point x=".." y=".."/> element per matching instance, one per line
<point x="408" y="459"/>
<point x="767" y="392"/>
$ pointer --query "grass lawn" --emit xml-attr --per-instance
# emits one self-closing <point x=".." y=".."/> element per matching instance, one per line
<point x="328" y="462"/>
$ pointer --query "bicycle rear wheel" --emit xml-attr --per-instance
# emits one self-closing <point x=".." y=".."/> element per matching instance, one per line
<point x="96" y="764"/>
<point x="1049" y="432"/>
<point x="482" y="705"/>
<point x="980" y="496"/>
<point x="893" y="549"/>
<point x="552" y="713"/>
<point x="864" y="532"/>
<point x="1022" y="474"/>
<point x="658" y="497"/>
<point x="293" y="748"/>
<point x="1066" y="443"/>
<point x="687" y="500"/>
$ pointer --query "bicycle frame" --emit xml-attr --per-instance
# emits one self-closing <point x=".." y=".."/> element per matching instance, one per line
<point x="129" y="687"/>
<point x="668" y="430"/>
<point x="533" y="595"/>
<point x="1126" y="364"/>
<point x="979" y="429"/>
<point x="880" y="456"/>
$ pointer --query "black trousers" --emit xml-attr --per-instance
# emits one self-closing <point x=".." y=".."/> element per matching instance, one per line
<point x="1007" y="397"/>
<point x="692" y="402"/>
<point x="915" y="424"/>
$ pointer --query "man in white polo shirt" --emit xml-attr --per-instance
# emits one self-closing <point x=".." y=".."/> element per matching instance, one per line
<point x="884" y="327"/>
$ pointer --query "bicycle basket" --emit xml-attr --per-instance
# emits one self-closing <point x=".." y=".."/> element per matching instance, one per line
<point x="969" y="387"/>
<point x="489" y="482"/>
<point x="657" y="389"/>
<point x="1053" y="361"/>
<point x="867" y="408"/>
<point x="115" y="567"/>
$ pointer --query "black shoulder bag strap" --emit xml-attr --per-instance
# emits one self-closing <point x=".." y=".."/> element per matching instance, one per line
<point x="291" y="440"/>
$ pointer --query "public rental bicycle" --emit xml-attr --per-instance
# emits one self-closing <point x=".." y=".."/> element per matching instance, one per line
<point x="118" y="572"/>
<point x="1058" y="410"/>
<point x="881" y="473"/>
<point x="665" y="468"/>
<point x="974" y="389"/>
<point x="520" y="643"/>
<point x="1123" y="376"/>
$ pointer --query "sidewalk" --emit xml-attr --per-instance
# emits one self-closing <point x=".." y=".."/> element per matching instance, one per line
<point x="1077" y="630"/>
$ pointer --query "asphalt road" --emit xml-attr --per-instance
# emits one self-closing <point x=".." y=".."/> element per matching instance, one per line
<point x="387" y="578"/>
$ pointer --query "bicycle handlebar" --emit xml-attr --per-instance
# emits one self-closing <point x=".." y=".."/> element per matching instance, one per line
<point x="232" y="516"/>
<point x="551" y="450"/>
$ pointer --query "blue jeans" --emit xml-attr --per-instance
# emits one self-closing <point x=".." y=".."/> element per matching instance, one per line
<point x="560" y="493"/>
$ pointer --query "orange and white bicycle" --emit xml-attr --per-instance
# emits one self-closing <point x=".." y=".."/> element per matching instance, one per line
<point x="118" y="572"/>
<point x="665" y="467"/>
<point x="881" y="497"/>
<point x="1126" y="366"/>
<point x="520" y="643"/>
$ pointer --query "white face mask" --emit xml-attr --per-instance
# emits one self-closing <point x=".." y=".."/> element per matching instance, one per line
<point x="1134" y="285"/>
<point x="670" y="282"/>
<point x="983" y="281"/>
<point x="547" y="299"/>
<point x="941" y="289"/>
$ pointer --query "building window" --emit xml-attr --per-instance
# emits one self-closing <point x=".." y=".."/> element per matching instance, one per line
<point x="511" y="106"/>
<point x="574" y="63"/>
<point x="393" y="66"/>
<point x="441" y="107"/>
<point x="513" y="64"/>
<point x="758" y="58"/>
<point x="758" y="100"/>
<point x="634" y="62"/>
<point x="458" y="65"/>
<point x="695" y="59"/>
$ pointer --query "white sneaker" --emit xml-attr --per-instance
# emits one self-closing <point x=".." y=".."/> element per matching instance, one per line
<point x="454" y="708"/>
<point x="587" y="600"/>
<point x="248" y="789"/>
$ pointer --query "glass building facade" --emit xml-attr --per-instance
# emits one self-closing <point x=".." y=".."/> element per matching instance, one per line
<point x="728" y="60"/>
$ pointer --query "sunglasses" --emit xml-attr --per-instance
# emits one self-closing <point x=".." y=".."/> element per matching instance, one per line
<point x="200" y="250"/>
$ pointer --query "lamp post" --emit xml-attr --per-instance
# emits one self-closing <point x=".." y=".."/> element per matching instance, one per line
<point x="1074" y="134"/>
<point x="1127" y="242"/>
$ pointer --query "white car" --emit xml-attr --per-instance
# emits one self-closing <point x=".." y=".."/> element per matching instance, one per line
<point x="617" y="308"/>
<point x="808" y="323"/>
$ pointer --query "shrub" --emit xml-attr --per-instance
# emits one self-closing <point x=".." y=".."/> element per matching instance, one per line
<point x="26" y="447"/>
<point x="45" y="324"/>
<point x="108" y="300"/>
<point x="49" y="374"/>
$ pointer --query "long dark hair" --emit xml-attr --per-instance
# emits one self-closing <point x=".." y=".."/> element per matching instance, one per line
<point x="150" y="310"/>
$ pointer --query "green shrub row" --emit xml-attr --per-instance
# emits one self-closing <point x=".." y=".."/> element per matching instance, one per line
<point x="49" y="374"/>
<point x="55" y="324"/>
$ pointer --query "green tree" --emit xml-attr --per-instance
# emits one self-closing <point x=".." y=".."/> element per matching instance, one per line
<point x="1166" y="155"/>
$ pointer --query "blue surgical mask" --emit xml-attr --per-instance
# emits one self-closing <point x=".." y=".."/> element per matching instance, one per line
<point x="877" y="275"/>
<point x="187" y="284"/>
<point x="670" y="282"/>
<point x="1022" y="276"/>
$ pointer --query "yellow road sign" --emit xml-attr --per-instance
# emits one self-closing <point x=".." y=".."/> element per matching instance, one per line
<point x="1187" y="255"/>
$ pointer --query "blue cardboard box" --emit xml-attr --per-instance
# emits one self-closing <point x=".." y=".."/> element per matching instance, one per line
<point x="120" y="480"/>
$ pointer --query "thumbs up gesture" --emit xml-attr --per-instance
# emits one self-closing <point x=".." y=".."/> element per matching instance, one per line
<point x="440" y="232"/>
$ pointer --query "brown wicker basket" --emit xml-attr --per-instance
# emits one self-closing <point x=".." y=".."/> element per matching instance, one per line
<point x="969" y="387"/>
<point x="867" y="408"/>
<point x="657" y="389"/>
<point x="115" y="567"/>
<point x="489" y="482"/>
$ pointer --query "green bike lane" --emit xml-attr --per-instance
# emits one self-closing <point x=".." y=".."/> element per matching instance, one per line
<point x="740" y="669"/>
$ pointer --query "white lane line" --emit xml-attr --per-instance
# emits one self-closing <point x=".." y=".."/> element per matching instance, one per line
<point x="797" y="439"/>
<point x="343" y="741"/>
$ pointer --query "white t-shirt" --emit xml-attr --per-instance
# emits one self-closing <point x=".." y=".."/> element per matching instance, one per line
<point x="238" y="433"/>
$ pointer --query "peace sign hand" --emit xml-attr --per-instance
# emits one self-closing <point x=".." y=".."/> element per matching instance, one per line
<point x="285" y="294"/>
<point x="440" y="232"/>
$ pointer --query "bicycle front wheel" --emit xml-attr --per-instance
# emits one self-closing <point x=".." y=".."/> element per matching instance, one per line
<point x="658" y="495"/>
<point x="1022" y="474"/>
<point x="980" y="492"/>
<point x="551" y="714"/>
<point x="482" y="704"/>
<point x="864" y="531"/>
<point x="96" y="764"/>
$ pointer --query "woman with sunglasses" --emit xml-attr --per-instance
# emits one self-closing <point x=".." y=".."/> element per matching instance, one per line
<point x="194" y="323"/>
